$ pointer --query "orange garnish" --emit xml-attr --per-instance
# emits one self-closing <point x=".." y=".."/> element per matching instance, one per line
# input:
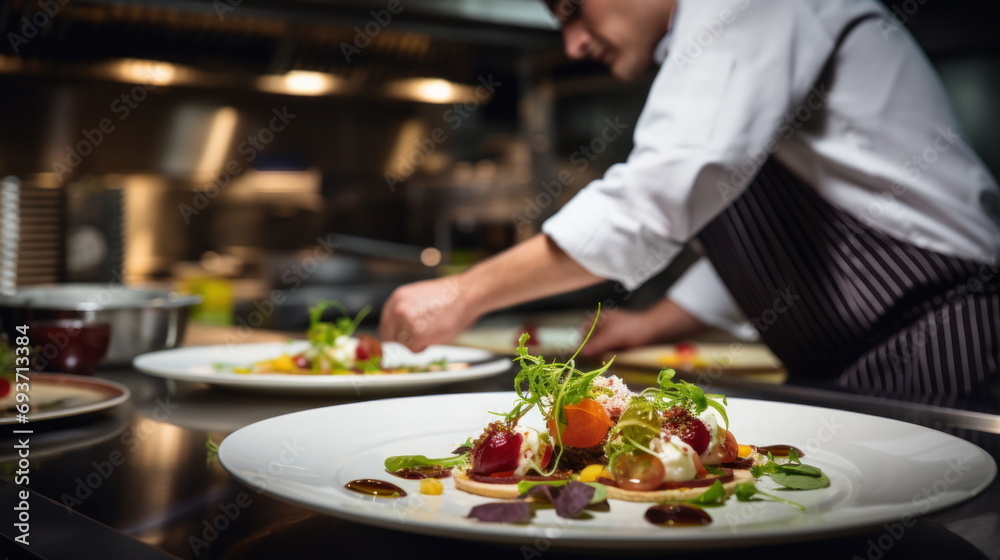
<point x="587" y="424"/>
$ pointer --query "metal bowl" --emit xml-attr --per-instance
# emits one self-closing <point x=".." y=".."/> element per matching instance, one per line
<point x="141" y="320"/>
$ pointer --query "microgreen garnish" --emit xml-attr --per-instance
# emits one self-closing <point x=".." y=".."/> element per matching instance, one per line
<point x="371" y="365"/>
<point x="793" y="475"/>
<point x="400" y="462"/>
<point x="550" y="387"/>
<point x="714" y="496"/>
<point x="672" y="393"/>
<point x="231" y="368"/>
<point x="745" y="492"/>
<point x="326" y="331"/>
<point x="441" y="364"/>
<point x="324" y="334"/>
<point x="543" y="385"/>
<point x="715" y="471"/>
<point x="211" y="451"/>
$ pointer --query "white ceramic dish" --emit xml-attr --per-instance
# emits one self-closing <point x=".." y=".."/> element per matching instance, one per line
<point x="881" y="471"/>
<point x="197" y="363"/>
<point x="54" y="395"/>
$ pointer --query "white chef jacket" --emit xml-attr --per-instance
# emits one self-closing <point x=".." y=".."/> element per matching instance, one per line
<point x="872" y="132"/>
<point x="700" y="292"/>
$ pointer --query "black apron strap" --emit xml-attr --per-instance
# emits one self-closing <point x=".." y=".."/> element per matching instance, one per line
<point x="839" y="301"/>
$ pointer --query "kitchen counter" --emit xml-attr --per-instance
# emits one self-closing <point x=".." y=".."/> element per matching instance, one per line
<point x="137" y="482"/>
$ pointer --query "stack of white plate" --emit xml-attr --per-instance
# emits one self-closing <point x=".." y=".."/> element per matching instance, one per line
<point x="10" y="226"/>
<point x="31" y="234"/>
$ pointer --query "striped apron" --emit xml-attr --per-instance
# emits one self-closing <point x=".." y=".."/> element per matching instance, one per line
<point x="845" y="305"/>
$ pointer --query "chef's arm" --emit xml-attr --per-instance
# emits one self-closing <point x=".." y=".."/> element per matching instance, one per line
<point x="434" y="311"/>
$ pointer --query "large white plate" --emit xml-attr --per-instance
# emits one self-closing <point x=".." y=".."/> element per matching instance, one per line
<point x="196" y="363"/>
<point x="55" y="395"/>
<point x="881" y="471"/>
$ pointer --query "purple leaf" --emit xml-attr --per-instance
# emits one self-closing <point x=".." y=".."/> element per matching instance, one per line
<point x="569" y="500"/>
<point x="502" y="512"/>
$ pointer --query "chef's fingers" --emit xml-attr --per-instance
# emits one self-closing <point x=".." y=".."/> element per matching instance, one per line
<point x="396" y="324"/>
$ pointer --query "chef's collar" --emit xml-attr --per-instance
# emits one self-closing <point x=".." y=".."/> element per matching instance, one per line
<point x="663" y="47"/>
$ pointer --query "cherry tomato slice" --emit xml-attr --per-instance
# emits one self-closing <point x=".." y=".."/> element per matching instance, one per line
<point x="732" y="448"/>
<point x="641" y="472"/>
<point x="368" y="347"/>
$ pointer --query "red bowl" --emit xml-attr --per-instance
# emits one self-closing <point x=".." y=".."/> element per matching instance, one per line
<point x="69" y="345"/>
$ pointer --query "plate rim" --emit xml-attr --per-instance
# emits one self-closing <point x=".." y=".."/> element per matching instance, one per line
<point x="501" y="533"/>
<point x="491" y="364"/>
<point x="123" y="395"/>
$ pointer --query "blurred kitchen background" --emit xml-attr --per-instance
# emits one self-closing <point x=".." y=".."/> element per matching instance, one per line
<point x="320" y="149"/>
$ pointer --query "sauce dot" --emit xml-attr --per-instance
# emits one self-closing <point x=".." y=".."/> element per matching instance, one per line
<point x="377" y="488"/>
<point x="677" y="515"/>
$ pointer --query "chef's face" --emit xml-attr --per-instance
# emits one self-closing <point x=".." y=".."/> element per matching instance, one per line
<point x="620" y="34"/>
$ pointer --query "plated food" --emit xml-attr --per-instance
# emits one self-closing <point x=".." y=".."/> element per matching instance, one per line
<point x="873" y="479"/>
<point x="708" y="358"/>
<point x="335" y="348"/>
<point x="199" y="364"/>
<point x="599" y="440"/>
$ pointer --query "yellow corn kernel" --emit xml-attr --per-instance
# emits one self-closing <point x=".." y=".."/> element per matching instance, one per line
<point x="283" y="364"/>
<point x="745" y="451"/>
<point x="431" y="487"/>
<point x="591" y="473"/>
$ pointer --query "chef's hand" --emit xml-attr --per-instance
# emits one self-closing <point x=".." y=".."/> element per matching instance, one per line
<point x="424" y="313"/>
<point x="421" y="314"/>
<point x="618" y="329"/>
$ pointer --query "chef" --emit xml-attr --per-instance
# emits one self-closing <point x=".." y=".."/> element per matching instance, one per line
<point x="809" y="148"/>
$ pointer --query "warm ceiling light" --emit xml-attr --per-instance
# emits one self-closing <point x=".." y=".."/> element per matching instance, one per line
<point x="300" y="82"/>
<point x="430" y="257"/>
<point x="152" y="72"/>
<point x="434" y="91"/>
<point x="429" y="90"/>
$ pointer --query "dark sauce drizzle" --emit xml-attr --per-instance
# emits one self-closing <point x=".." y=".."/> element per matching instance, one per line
<point x="780" y="450"/>
<point x="677" y="515"/>
<point x="377" y="488"/>
<point x="417" y="473"/>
